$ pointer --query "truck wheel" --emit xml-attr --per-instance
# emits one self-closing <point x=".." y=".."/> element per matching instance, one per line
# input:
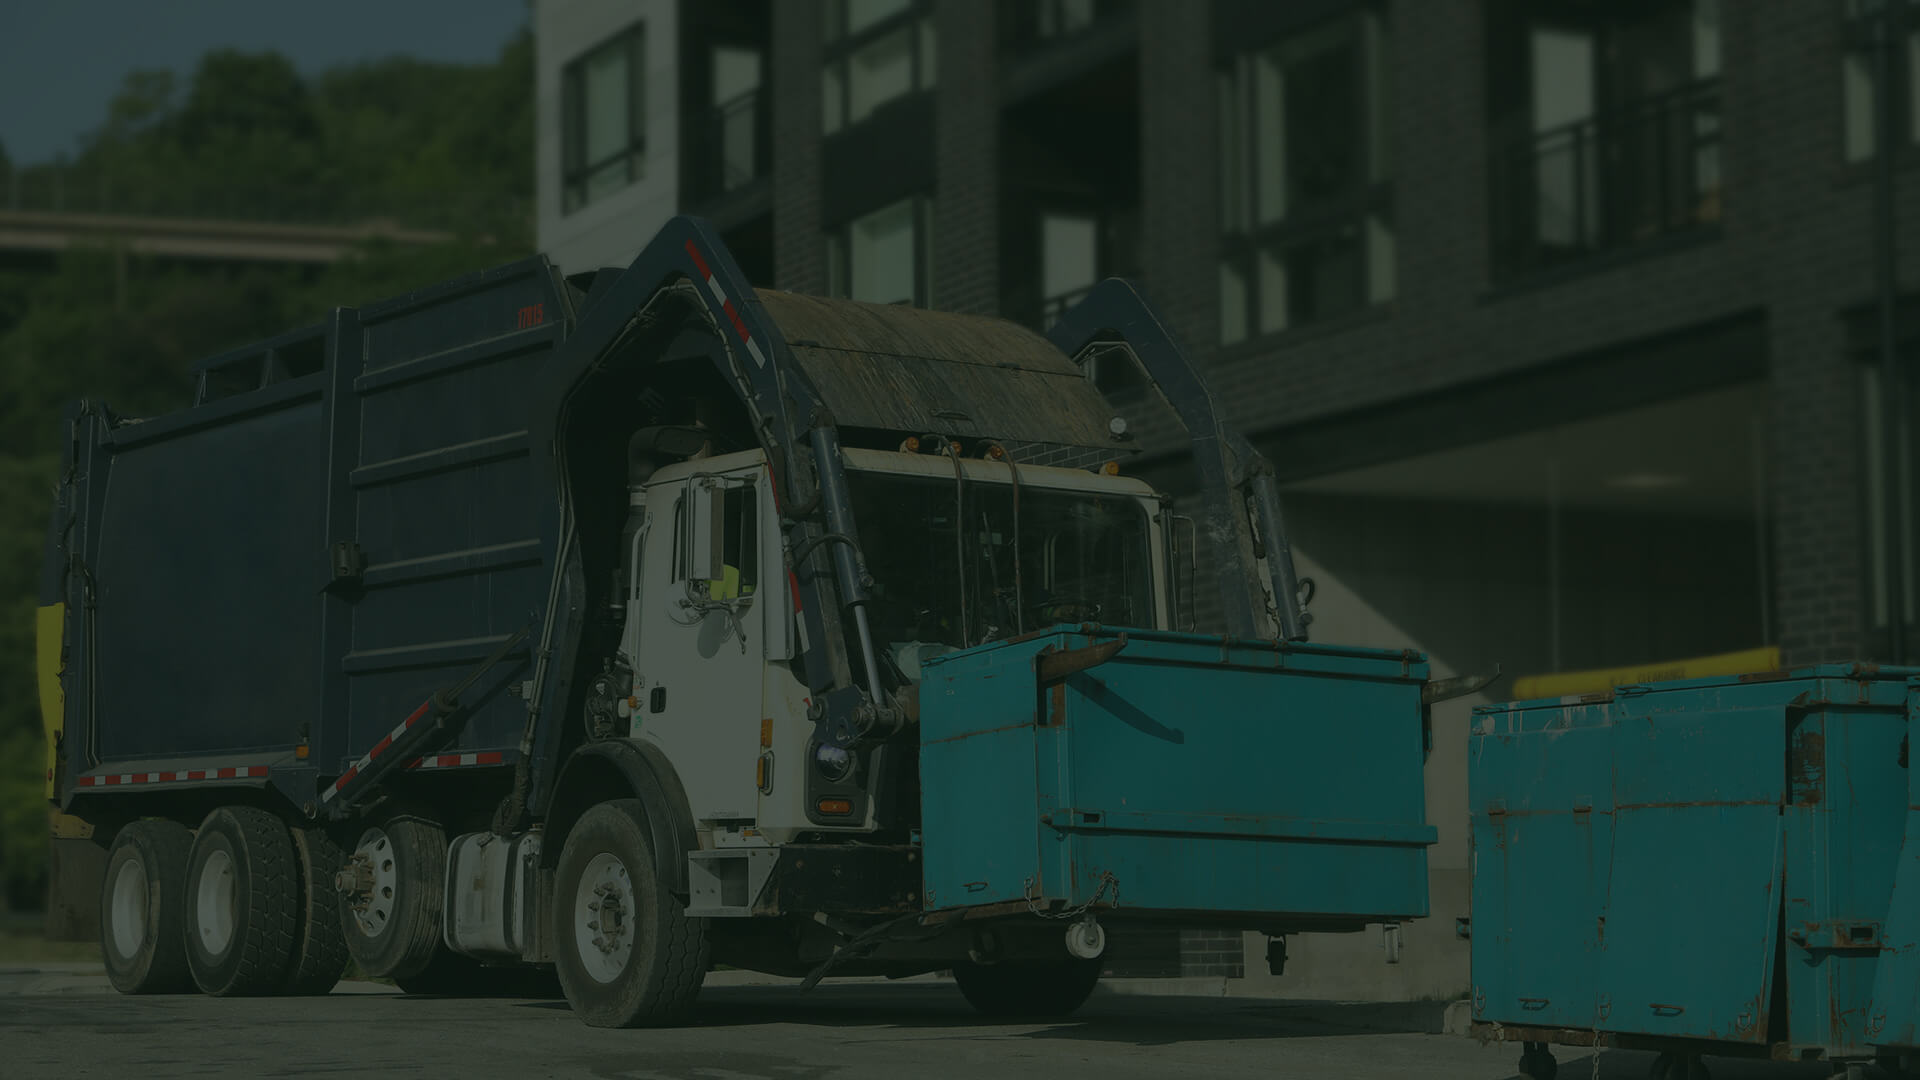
<point x="243" y="904"/>
<point x="320" y="951"/>
<point x="623" y="946"/>
<point x="142" y="900"/>
<point x="1032" y="988"/>
<point x="392" y="890"/>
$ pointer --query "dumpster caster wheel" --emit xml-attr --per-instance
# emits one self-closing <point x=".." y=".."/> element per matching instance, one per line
<point x="1536" y="1062"/>
<point x="1678" y="1067"/>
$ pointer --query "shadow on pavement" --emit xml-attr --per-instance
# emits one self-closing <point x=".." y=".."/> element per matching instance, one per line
<point x="1134" y="1020"/>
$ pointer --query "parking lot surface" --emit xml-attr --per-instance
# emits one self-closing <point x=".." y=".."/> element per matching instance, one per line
<point x="68" y="1023"/>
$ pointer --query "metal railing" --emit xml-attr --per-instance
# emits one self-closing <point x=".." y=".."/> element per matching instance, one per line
<point x="730" y="145"/>
<point x="1608" y="181"/>
<point x="1027" y="25"/>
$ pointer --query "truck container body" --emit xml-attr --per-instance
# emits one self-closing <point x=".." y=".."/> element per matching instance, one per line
<point x="623" y="624"/>
<point x="1699" y="867"/>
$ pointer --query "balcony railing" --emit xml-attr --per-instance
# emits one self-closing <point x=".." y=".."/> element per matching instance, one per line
<point x="1607" y="182"/>
<point x="730" y="145"/>
<point x="1027" y="25"/>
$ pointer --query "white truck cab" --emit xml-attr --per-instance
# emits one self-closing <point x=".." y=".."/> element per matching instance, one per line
<point x="710" y="633"/>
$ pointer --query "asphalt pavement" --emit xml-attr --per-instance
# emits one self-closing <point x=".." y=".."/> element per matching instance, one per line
<point x="64" y="1021"/>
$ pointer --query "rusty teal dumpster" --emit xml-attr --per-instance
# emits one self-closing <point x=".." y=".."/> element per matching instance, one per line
<point x="1701" y="867"/>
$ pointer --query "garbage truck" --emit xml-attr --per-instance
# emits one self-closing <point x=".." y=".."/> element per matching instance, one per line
<point x="620" y="625"/>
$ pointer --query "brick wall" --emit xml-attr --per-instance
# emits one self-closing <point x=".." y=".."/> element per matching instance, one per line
<point x="799" y="249"/>
<point x="966" y="239"/>
<point x="1794" y="244"/>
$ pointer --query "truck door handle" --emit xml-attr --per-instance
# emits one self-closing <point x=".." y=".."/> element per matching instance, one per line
<point x="657" y="700"/>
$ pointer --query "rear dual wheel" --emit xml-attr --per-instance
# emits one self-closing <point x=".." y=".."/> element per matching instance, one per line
<point x="243" y="909"/>
<point x="142" y="900"/>
<point x="244" y="906"/>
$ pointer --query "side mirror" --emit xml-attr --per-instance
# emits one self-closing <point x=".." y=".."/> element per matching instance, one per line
<point x="1181" y="568"/>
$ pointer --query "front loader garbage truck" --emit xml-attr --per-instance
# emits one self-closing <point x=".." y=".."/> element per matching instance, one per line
<point x="625" y="624"/>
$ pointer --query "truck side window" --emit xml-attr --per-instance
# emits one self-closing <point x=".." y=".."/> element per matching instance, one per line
<point x="739" y="545"/>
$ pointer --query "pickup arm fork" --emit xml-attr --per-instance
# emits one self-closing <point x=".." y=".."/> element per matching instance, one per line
<point x="1240" y="521"/>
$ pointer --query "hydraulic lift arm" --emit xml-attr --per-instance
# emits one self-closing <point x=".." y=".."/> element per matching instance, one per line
<point x="1237" y="484"/>
<point x="687" y="263"/>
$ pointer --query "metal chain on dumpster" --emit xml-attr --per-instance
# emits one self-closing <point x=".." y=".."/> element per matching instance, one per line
<point x="1108" y="884"/>
<point x="1598" y="1046"/>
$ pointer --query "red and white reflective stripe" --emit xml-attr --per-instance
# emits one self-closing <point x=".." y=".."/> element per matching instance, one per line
<point x="231" y="772"/>
<point x="380" y="747"/>
<point x="726" y="305"/>
<point x="454" y="761"/>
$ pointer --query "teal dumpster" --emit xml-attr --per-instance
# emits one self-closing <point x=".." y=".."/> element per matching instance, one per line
<point x="1155" y="775"/>
<point x="1696" y="867"/>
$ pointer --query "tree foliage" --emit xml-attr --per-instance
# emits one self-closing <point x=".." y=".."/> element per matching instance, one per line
<point x="427" y="145"/>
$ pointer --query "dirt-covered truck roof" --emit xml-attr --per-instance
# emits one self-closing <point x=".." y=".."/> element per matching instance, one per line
<point x="898" y="368"/>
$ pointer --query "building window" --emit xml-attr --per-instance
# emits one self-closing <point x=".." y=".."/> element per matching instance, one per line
<point x="1307" y="215"/>
<point x="1605" y="125"/>
<point x="885" y="257"/>
<point x="603" y="120"/>
<point x="876" y="51"/>
<point x="1859" y="89"/>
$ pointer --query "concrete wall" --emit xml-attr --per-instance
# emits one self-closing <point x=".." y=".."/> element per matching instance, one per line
<point x="611" y="230"/>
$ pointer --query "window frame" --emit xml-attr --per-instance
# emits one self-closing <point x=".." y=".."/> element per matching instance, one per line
<point x="575" y="171"/>
<point x="838" y="47"/>
<point x="1858" y="38"/>
<point x="839" y="252"/>
<point x="1349" y="217"/>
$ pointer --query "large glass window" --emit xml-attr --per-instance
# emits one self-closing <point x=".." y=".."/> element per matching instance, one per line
<point x="1859" y="89"/>
<point x="1306" y="204"/>
<point x="603" y="120"/>
<point x="944" y="560"/>
<point x="1605" y="125"/>
<point x="884" y="257"/>
<point x="876" y="51"/>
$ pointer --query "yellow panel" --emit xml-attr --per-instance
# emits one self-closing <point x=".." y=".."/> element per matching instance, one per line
<point x="50" y="625"/>
<point x="1564" y="683"/>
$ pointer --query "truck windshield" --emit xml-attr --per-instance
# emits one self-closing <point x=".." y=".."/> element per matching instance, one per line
<point x="1082" y="557"/>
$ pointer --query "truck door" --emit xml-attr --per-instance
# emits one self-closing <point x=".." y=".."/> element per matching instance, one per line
<point x="701" y="642"/>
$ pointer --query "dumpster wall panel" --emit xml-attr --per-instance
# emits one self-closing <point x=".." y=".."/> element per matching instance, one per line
<point x="1843" y="847"/>
<point x="1540" y="795"/>
<point x="1696" y="870"/>
<point x="1893" y="1023"/>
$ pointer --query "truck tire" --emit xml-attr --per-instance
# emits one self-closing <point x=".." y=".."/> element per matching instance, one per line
<point x="243" y="902"/>
<point x="396" y="889"/>
<point x="623" y="946"/>
<point x="320" y="950"/>
<point x="1033" y="988"/>
<point x="142" y="905"/>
